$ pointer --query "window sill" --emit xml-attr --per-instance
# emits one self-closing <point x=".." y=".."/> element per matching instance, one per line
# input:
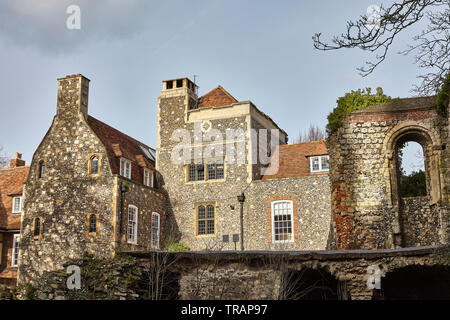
<point x="205" y="235"/>
<point x="205" y="181"/>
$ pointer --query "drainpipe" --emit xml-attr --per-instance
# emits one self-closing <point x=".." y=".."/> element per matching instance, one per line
<point x="241" y="200"/>
<point x="123" y="190"/>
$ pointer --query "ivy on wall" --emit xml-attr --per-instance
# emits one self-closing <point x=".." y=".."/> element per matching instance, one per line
<point x="352" y="101"/>
<point x="442" y="97"/>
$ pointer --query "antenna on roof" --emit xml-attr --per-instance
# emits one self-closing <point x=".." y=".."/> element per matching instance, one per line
<point x="195" y="83"/>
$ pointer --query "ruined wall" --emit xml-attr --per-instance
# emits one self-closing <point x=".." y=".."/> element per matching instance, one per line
<point x="365" y="201"/>
<point x="67" y="193"/>
<point x="419" y="221"/>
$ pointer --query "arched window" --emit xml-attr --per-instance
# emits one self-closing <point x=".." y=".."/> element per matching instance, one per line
<point x="37" y="227"/>
<point x="94" y="165"/>
<point x="41" y="169"/>
<point x="93" y="223"/>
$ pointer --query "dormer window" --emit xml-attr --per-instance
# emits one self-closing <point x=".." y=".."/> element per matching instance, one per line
<point x="125" y="168"/>
<point x="319" y="163"/>
<point x="17" y="205"/>
<point x="148" y="178"/>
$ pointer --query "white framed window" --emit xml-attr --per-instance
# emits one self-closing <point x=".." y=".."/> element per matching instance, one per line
<point x="148" y="178"/>
<point x="17" y="204"/>
<point x="132" y="224"/>
<point x="319" y="163"/>
<point x="125" y="168"/>
<point x="156" y="225"/>
<point x="15" y="251"/>
<point x="152" y="183"/>
<point x="282" y="221"/>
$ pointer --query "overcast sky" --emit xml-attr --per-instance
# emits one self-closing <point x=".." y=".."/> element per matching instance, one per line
<point x="257" y="50"/>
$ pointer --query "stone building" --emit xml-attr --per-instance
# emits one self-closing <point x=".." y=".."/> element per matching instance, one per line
<point x="11" y="189"/>
<point x="369" y="212"/>
<point x="213" y="148"/>
<point x="91" y="188"/>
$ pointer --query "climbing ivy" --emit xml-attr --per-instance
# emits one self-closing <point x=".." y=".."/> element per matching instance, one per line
<point x="352" y="101"/>
<point x="442" y="97"/>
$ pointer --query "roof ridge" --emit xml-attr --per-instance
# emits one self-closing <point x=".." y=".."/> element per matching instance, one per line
<point x="20" y="167"/>
<point x="226" y="92"/>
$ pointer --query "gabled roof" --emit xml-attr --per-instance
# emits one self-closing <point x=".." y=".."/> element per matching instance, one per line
<point x="11" y="183"/>
<point x="119" y="144"/>
<point x="216" y="98"/>
<point x="294" y="159"/>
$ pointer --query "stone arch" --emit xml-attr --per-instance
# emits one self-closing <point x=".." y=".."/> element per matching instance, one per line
<point x="311" y="283"/>
<point x="415" y="282"/>
<point x="430" y="141"/>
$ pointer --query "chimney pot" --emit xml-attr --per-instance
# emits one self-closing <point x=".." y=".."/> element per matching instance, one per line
<point x="17" y="161"/>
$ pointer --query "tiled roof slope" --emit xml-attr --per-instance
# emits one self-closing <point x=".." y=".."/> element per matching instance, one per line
<point x="119" y="145"/>
<point x="216" y="98"/>
<point x="294" y="161"/>
<point x="11" y="183"/>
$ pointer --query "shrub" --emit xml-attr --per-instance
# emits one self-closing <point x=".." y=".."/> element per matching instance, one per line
<point x="442" y="97"/>
<point x="177" y="246"/>
<point x="352" y="101"/>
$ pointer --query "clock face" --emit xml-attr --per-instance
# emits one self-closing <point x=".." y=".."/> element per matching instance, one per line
<point x="206" y="125"/>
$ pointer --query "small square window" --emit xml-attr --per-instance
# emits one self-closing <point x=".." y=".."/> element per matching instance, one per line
<point x="17" y="204"/>
<point x="319" y="163"/>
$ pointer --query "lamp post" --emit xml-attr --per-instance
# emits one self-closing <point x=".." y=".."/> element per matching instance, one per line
<point x="241" y="199"/>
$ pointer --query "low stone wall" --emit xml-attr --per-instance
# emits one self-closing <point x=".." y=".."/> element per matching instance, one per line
<point x="232" y="275"/>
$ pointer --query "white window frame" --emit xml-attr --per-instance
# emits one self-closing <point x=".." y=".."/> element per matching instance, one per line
<point x="14" y="204"/>
<point x="311" y="160"/>
<point x="134" y="227"/>
<point x="15" y="251"/>
<point x="291" y="213"/>
<point x="152" y="182"/>
<point x="124" y="166"/>
<point x="148" y="178"/>
<point x="158" y="230"/>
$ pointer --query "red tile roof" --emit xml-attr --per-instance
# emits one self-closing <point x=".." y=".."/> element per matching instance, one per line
<point x="11" y="183"/>
<point x="294" y="159"/>
<point x="216" y="98"/>
<point x="119" y="144"/>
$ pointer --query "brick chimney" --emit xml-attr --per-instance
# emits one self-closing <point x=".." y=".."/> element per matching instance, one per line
<point x="17" y="161"/>
<point x="73" y="92"/>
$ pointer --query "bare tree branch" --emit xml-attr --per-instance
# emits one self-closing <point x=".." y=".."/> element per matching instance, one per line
<point x="314" y="133"/>
<point x="377" y="32"/>
<point x="3" y="158"/>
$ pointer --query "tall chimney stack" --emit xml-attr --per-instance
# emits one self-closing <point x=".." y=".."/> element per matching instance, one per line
<point x="17" y="161"/>
<point x="73" y="93"/>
